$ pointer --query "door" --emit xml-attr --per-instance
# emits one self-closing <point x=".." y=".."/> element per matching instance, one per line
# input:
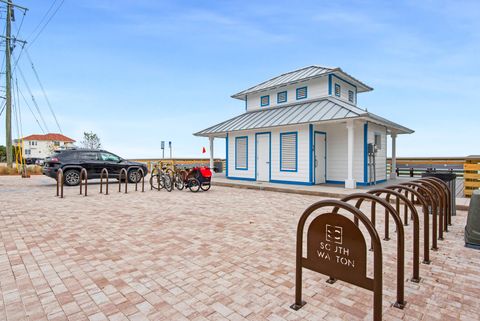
<point x="320" y="157"/>
<point x="263" y="157"/>
<point x="112" y="163"/>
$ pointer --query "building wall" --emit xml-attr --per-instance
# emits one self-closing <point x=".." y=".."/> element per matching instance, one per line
<point x="41" y="148"/>
<point x="316" y="88"/>
<point x="381" y="156"/>
<point x="302" y="175"/>
<point x="336" y="170"/>
<point x="337" y="165"/>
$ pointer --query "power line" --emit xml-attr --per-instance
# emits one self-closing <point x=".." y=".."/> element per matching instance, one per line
<point x="33" y="97"/>
<point x="31" y="111"/>
<point x="47" y="22"/>
<point x="43" y="91"/>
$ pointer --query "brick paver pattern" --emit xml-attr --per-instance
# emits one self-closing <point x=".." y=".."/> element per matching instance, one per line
<point x="226" y="254"/>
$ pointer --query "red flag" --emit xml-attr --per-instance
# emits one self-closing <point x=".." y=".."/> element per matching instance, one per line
<point x="204" y="150"/>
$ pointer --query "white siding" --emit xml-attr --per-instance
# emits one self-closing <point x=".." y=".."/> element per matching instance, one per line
<point x="315" y="88"/>
<point x="381" y="156"/>
<point x="344" y="88"/>
<point x="302" y="175"/>
<point x="337" y="151"/>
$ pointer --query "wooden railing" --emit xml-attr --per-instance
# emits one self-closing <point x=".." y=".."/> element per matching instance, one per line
<point x="182" y="162"/>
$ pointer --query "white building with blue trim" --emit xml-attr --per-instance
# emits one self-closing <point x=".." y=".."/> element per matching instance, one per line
<point x="304" y="127"/>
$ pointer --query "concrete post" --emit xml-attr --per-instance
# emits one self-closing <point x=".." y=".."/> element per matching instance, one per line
<point x="211" y="153"/>
<point x="350" y="181"/>
<point x="393" y="173"/>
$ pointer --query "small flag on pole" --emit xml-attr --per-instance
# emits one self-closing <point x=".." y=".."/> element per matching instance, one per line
<point x="204" y="150"/>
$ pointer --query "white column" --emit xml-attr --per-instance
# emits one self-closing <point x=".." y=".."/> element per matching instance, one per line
<point x="211" y="153"/>
<point x="393" y="173"/>
<point x="350" y="181"/>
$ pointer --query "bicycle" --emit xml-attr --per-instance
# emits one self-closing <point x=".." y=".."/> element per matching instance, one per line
<point x="160" y="179"/>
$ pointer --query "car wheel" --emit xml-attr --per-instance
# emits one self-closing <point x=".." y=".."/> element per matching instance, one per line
<point x="134" y="176"/>
<point x="71" y="177"/>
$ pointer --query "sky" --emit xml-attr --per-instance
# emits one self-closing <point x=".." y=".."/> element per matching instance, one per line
<point x="137" y="72"/>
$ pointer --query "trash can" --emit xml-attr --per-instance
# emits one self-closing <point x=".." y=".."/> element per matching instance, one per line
<point x="472" y="229"/>
<point x="218" y="167"/>
<point x="451" y="180"/>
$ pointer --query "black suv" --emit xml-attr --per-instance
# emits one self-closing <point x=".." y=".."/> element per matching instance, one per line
<point x="71" y="161"/>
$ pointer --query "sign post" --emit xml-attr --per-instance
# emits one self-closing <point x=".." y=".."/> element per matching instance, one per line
<point x="336" y="247"/>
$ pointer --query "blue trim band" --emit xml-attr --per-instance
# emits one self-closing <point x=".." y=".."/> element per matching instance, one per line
<point x="311" y="145"/>
<point x="290" y="182"/>
<point x="365" y="152"/>
<point x="226" y="154"/>
<point x="242" y="178"/>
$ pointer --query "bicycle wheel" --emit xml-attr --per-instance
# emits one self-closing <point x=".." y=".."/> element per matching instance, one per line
<point x="193" y="185"/>
<point x="178" y="181"/>
<point x="205" y="186"/>
<point x="167" y="181"/>
<point x="154" y="182"/>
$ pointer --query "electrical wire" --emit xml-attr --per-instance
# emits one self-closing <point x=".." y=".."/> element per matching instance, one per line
<point x="47" y="22"/>
<point x="43" y="90"/>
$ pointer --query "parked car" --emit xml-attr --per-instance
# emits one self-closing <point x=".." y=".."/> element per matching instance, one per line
<point x="72" y="161"/>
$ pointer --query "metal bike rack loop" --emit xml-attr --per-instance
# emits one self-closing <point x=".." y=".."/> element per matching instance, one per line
<point x="103" y="174"/>
<point x="83" y="176"/>
<point x="60" y="183"/>
<point x="123" y="171"/>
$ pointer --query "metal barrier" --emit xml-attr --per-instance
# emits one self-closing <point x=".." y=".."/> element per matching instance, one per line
<point x="102" y="174"/>
<point x="83" y="175"/>
<point x="60" y="183"/>
<point x="143" y="180"/>
<point x="328" y="252"/>
<point x="122" y="171"/>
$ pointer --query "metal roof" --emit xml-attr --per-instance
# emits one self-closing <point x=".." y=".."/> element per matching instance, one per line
<point x="302" y="74"/>
<point x="314" y="111"/>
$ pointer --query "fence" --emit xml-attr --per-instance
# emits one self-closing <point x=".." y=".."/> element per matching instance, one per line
<point x="471" y="174"/>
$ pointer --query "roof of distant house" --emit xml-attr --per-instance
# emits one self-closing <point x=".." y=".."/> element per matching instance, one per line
<point x="50" y="137"/>
<point x="299" y="75"/>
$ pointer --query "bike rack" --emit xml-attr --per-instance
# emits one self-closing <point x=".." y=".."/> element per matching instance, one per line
<point x="447" y="206"/>
<point x="440" y="205"/>
<point x="60" y="183"/>
<point x="155" y="169"/>
<point x="355" y="245"/>
<point x="123" y="171"/>
<point x="406" y="190"/>
<point x="361" y="197"/>
<point x="102" y="174"/>
<point x="143" y="180"/>
<point x="83" y="175"/>
<point x="449" y="196"/>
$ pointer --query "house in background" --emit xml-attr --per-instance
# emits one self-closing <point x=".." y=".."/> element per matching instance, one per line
<point x="41" y="146"/>
<point x="304" y="127"/>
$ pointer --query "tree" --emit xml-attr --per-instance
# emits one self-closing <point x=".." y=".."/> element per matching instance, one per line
<point x="91" y="140"/>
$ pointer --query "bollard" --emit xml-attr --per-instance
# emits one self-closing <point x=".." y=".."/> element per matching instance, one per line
<point x="60" y="183"/>
<point x="83" y="175"/>
<point x="122" y="171"/>
<point x="102" y="174"/>
<point x="329" y="229"/>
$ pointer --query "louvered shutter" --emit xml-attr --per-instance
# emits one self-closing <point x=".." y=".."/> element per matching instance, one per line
<point x="241" y="152"/>
<point x="288" y="152"/>
<point x="302" y="93"/>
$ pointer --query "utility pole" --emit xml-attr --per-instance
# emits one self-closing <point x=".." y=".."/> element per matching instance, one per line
<point x="8" y="85"/>
<point x="8" y="80"/>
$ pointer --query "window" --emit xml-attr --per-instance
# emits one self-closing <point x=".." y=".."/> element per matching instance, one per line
<point x="350" y="96"/>
<point x="241" y="153"/>
<point x="56" y="143"/>
<point x="265" y="100"/>
<point x="87" y="156"/>
<point x="109" y="157"/>
<point x="301" y="93"/>
<point x="281" y="97"/>
<point x="27" y="151"/>
<point x="337" y="90"/>
<point x="288" y="152"/>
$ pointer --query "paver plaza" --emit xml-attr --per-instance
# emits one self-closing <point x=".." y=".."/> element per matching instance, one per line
<point x="226" y="254"/>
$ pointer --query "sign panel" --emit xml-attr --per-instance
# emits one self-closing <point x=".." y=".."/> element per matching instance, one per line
<point x="336" y="247"/>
